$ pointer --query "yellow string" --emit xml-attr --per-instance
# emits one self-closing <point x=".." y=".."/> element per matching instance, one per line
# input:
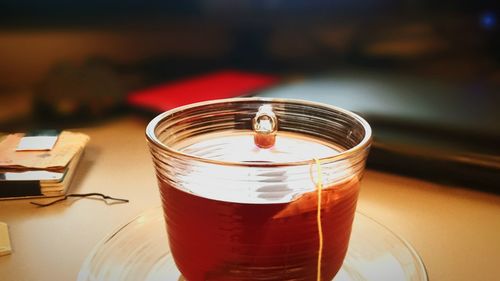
<point x="319" y="188"/>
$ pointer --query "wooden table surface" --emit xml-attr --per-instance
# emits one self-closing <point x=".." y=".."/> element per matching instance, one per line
<point x="455" y="230"/>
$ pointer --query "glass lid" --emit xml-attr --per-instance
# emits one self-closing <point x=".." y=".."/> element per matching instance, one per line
<point x="259" y="132"/>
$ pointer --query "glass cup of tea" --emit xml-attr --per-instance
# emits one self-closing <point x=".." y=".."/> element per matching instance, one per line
<point x="258" y="189"/>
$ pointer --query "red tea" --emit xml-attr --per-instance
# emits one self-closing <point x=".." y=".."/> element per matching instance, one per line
<point x="240" y="192"/>
<point x="217" y="240"/>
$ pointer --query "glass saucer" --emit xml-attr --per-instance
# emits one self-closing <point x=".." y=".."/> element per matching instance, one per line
<point x="139" y="251"/>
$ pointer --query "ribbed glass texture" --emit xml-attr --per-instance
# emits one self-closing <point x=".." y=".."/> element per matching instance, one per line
<point x="232" y="216"/>
<point x="204" y="172"/>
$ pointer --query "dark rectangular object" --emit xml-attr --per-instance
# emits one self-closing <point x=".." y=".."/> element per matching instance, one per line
<point x="10" y="189"/>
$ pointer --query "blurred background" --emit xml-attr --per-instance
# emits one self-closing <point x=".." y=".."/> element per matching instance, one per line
<point x="424" y="73"/>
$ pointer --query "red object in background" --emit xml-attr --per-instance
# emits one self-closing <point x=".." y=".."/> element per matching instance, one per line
<point x="218" y="85"/>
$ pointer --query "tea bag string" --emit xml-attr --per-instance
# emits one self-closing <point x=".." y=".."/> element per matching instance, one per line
<point x="319" y="189"/>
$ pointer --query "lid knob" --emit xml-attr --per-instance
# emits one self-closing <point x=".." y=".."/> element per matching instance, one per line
<point x="265" y="126"/>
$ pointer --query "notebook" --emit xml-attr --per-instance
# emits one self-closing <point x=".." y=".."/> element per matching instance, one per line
<point x="39" y="173"/>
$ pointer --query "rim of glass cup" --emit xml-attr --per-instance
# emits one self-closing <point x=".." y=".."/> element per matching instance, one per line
<point x="363" y="144"/>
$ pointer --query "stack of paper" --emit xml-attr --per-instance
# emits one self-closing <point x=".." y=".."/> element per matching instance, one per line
<point x="30" y="171"/>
